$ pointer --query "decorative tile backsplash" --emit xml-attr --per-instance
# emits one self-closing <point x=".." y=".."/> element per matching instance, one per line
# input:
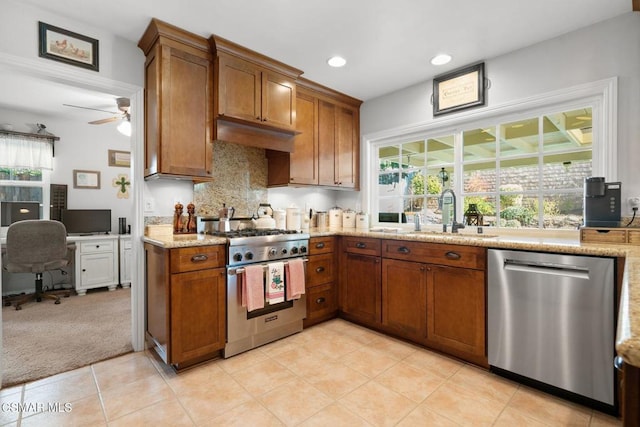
<point x="239" y="180"/>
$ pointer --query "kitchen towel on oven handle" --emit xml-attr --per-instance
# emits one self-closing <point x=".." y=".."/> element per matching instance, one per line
<point x="275" y="283"/>
<point x="252" y="287"/>
<point x="294" y="276"/>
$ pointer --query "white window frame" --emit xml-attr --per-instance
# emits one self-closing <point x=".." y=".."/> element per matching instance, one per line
<point x="600" y="95"/>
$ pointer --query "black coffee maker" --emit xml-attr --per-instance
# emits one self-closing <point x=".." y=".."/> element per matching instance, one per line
<point x="601" y="202"/>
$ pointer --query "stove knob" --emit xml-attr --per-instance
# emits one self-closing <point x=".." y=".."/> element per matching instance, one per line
<point x="284" y="251"/>
<point x="294" y="250"/>
<point x="237" y="257"/>
<point x="272" y="252"/>
<point x="248" y="255"/>
<point x="303" y="249"/>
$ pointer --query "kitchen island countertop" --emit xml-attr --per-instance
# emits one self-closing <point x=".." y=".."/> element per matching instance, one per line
<point x="628" y="332"/>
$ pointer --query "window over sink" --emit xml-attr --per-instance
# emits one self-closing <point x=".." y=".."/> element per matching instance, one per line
<point x="523" y="170"/>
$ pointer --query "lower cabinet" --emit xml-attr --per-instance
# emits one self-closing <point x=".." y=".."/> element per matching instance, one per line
<point x="185" y="298"/>
<point x="404" y="298"/>
<point x="456" y="312"/>
<point x="321" y="286"/>
<point x="360" y="275"/>
<point x="96" y="263"/>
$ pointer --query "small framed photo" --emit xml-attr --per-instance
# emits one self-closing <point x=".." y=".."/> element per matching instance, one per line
<point x="65" y="46"/>
<point x="86" y="179"/>
<point x="458" y="90"/>
<point x="120" y="158"/>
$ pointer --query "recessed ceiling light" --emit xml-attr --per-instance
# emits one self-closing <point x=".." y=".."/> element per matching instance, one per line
<point x="441" y="59"/>
<point x="336" y="61"/>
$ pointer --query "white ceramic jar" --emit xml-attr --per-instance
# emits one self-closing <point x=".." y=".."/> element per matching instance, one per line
<point x="335" y="217"/>
<point x="362" y="221"/>
<point x="293" y="218"/>
<point x="349" y="219"/>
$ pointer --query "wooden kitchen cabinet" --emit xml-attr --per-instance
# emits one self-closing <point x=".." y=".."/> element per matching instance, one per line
<point x="252" y="88"/>
<point x="321" y="286"/>
<point x="360" y="281"/>
<point x="326" y="148"/>
<point x="404" y="299"/>
<point x="185" y="298"/>
<point x="178" y="103"/>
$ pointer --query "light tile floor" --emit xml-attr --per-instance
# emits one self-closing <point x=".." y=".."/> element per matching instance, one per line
<point x="333" y="374"/>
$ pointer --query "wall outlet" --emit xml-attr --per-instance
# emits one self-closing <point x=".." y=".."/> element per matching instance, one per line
<point x="634" y="202"/>
<point x="149" y="205"/>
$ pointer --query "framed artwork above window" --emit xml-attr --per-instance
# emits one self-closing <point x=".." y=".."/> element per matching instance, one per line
<point x="458" y="90"/>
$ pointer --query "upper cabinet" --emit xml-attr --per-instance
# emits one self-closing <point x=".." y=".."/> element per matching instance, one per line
<point x="178" y="103"/>
<point x="327" y="147"/>
<point x="255" y="96"/>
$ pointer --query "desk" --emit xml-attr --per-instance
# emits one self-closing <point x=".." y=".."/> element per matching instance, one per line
<point x="95" y="262"/>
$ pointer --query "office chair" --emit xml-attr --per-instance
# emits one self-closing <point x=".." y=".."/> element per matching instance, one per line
<point x="36" y="246"/>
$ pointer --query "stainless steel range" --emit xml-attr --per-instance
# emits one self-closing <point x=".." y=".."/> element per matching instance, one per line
<point x="250" y="329"/>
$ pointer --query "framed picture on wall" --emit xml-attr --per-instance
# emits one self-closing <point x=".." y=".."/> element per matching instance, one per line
<point x="120" y="158"/>
<point x="86" y="179"/>
<point x="65" y="46"/>
<point x="458" y="90"/>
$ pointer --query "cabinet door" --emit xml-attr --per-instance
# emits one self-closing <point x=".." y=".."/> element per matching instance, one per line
<point x="185" y="115"/>
<point x="322" y="303"/>
<point x="346" y="148"/>
<point x="304" y="159"/>
<point x="239" y="89"/>
<point x="197" y="314"/>
<point x="456" y="311"/>
<point x="404" y="298"/>
<point x="97" y="270"/>
<point x="278" y="101"/>
<point x="360" y="287"/>
<point x="326" y="143"/>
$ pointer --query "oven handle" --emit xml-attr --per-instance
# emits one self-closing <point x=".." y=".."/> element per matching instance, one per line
<point x="239" y="270"/>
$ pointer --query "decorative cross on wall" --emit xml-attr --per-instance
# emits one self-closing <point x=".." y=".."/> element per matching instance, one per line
<point x="122" y="182"/>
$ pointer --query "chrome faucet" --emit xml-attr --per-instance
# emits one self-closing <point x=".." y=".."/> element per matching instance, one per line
<point x="455" y="226"/>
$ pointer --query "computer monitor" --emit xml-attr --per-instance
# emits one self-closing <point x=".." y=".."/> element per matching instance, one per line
<point x="11" y="212"/>
<point x="87" y="221"/>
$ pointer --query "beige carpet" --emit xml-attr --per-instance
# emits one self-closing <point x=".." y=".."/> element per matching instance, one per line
<point x="44" y="339"/>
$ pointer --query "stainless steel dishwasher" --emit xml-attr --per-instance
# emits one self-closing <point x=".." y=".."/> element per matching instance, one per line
<point x="551" y="320"/>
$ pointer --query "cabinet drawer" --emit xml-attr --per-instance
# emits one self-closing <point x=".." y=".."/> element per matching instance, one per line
<point x="197" y="258"/>
<point x="603" y="235"/>
<point x="320" y="269"/>
<point x="96" y="246"/>
<point x="436" y="253"/>
<point x="321" y="245"/>
<point x="634" y="237"/>
<point x="362" y="245"/>
<point x="321" y="301"/>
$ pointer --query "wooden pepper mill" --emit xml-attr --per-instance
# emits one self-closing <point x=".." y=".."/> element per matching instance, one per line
<point x="191" y="221"/>
<point x="178" y="225"/>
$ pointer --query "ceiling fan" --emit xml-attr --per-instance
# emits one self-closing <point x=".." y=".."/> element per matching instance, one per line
<point x="123" y="114"/>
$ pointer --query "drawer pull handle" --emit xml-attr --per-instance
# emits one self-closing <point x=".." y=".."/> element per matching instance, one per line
<point x="199" y="258"/>
<point x="361" y="245"/>
<point x="320" y="245"/>
<point x="404" y="250"/>
<point x="97" y="246"/>
<point x="319" y="269"/>
<point x="320" y="300"/>
<point x="452" y="255"/>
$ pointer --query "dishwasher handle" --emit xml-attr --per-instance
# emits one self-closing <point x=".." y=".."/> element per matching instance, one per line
<point x="546" y="268"/>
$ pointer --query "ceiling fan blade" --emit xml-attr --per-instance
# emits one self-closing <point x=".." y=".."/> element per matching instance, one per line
<point x="102" y="121"/>
<point x="88" y="108"/>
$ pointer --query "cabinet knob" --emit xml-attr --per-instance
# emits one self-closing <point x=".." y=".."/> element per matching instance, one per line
<point x="257" y="117"/>
<point x="320" y="300"/>
<point x="361" y="245"/>
<point x="320" y="245"/>
<point x="97" y="246"/>
<point x="422" y="268"/>
<point x="319" y="269"/>
<point x="404" y="250"/>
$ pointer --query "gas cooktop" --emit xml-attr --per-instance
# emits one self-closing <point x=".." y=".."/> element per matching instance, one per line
<point x="249" y="232"/>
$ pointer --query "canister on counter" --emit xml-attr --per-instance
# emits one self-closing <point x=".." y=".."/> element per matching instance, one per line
<point x="349" y="219"/>
<point x="362" y="221"/>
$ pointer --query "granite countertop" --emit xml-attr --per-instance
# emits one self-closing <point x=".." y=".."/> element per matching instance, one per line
<point x="628" y="332"/>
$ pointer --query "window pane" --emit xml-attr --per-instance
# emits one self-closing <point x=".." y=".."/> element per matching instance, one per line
<point x="413" y="155"/>
<point x="519" y="174"/>
<point x="563" y="210"/>
<point x="568" y="131"/>
<point x="479" y="177"/>
<point x="563" y="171"/>
<point x="486" y="205"/>
<point x="518" y="138"/>
<point x="479" y="144"/>
<point x="440" y="151"/>
<point x="20" y="174"/>
<point x="518" y="211"/>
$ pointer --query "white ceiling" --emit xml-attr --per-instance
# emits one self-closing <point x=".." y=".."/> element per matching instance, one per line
<point x="388" y="44"/>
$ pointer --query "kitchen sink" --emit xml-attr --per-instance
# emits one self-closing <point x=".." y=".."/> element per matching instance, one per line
<point x="440" y="233"/>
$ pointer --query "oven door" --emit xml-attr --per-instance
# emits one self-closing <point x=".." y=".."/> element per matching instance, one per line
<point x="247" y="330"/>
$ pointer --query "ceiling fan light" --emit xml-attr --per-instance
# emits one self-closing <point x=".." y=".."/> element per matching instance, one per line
<point x="125" y="127"/>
